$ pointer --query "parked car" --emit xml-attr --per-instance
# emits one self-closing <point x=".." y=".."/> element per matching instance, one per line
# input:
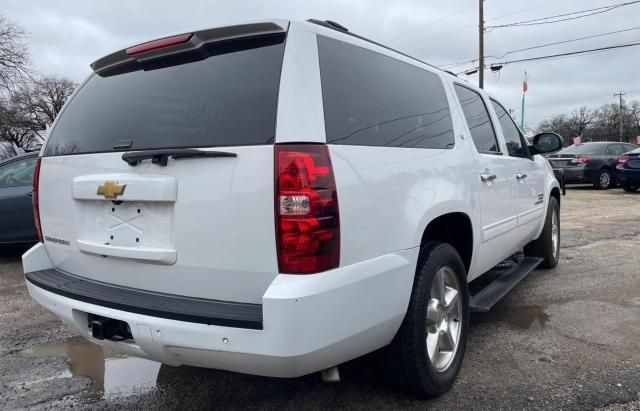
<point x="7" y="150"/>
<point x="628" y="170"/>
<point x="16" y="212"/>
<point x="590" y="163"/>
<point x="230" y="200"/>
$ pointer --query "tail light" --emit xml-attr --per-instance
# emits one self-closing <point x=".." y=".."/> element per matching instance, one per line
<point x="159" y="44"/>
<point x="580" y="160"/>
<point x="307" y="220"/>
<point x="35" y="199"/>
<point x="623" y="159"/>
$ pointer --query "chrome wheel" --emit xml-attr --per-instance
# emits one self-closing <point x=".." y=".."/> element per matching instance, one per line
<point x="444" y="313"/>
<point x="555" y="233"/>
<point x="605" y="179"/>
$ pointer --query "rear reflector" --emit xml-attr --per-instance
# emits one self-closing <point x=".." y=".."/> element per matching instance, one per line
<point x="160" y="43"/>
<point x="35" y="198"/>
<point x="307" y="220"/>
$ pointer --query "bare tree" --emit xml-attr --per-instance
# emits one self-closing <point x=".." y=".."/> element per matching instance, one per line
<point x="14" y="56"/>
<point x="15" y="126"/>
<point x="580" y="119"/>
<point x="44" y="98"/>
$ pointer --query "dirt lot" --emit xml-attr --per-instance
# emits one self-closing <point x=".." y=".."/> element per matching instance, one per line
<point x="567" y="338"/>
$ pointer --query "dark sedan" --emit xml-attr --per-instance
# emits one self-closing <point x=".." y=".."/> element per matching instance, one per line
<point x="628" y="170"/>
<point x="16" y="213"/>
<point x="590" y="163"/>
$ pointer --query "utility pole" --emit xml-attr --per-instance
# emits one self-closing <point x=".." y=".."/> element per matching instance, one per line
<point x="481" y="45"/>
<point x="620" y="94"/>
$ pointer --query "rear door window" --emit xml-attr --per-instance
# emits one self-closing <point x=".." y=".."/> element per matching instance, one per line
<point x="374" y="100"/>
<point x="478" y="120"/>
<point x="227" y="99"/>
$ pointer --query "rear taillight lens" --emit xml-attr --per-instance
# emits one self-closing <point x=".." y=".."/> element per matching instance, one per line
<point x="307" y="220"/>
<point x="580" y="160"/>
<point x="35" y="199"/>
<point x="158" y="44"/>
<point x="623" y="159"/>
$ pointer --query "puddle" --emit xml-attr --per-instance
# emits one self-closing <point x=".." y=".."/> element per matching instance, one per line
<point x="527" y="317"/>
<point x="112" y="374"/>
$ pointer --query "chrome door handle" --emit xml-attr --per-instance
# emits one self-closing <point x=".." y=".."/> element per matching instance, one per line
<point x="521" y="176"/>
<point x="487" y="177"/>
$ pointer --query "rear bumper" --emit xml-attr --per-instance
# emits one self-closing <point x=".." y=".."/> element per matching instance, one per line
<point x="310" y="322"/>
<point x="628" y="177"/>
<point x="577" y="175"/>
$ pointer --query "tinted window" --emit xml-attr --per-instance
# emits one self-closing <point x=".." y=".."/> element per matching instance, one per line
<point x="629" y="147"/>
<point x="616" y="149"/>
<point x="17" y="173"/>
<point x="224" y="100"/>
<point x="511" y="133"/>
<point x="584" y="149"/>
<point x="478" y="120"/>
<point x="375" y="100"/>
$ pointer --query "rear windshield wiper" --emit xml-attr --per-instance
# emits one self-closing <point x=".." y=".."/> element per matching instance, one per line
<point x="161" y="157"/>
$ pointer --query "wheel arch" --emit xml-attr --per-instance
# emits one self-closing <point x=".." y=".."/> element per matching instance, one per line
<point x="455" y="229"/>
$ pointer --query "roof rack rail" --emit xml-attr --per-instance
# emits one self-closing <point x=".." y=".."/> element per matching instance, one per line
<point x="339" y="27"/>
<point x="329" y="24"/>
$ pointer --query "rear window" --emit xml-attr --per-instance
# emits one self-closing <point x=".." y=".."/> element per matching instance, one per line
<point x="374" y="100"/>
<point x="584" y="149"/>
<point x="228" y="99"/>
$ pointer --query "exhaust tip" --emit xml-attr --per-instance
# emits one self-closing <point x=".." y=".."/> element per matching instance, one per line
<point x="330" y="374"/>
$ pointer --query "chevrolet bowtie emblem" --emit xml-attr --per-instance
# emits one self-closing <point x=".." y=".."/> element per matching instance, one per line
<point x="111" y="189"/>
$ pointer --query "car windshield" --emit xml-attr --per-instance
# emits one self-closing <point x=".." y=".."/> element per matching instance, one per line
<point x="583" y="149"/>
<point x="636" y="151"/>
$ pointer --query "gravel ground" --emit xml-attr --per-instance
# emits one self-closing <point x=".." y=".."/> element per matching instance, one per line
<point x="568" y="338"/>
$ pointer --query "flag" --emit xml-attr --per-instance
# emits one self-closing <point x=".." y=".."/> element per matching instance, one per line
<point x="577" y="140"/>
<point x="525" y="82"/>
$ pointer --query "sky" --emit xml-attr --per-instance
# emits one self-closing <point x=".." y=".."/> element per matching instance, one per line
<point x="65" y="36"/>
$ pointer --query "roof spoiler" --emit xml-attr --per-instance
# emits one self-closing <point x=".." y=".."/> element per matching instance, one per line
<point x="136" y="57"/>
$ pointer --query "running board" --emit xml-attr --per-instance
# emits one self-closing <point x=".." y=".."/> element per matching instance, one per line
<point x="503" y="283"/>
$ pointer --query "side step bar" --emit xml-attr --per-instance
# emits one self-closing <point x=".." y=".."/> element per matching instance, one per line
<point x="504" y="282"/>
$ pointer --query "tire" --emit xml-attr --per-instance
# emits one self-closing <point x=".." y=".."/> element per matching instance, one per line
<point x="630" y="189"/>
<point x="604" y="180"/>
<point x="407" y="360"/>
<point x="545" y="247"/>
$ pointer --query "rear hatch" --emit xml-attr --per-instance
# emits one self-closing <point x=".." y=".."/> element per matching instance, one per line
<point x="199" y="225"/>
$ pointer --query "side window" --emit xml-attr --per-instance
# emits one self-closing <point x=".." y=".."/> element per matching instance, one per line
<point x="512" y="136"/>
<point x="374" y="100"/>
<point x="17" y="173"/>
<point x="629" y="147"/>
<point x="615" y="149"/>
<point x="478" y="120"/>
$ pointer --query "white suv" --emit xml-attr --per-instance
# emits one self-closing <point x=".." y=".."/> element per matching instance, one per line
<point x="278" y="198"/>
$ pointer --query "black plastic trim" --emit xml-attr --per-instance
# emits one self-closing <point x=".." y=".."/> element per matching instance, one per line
<point x="172" y="307"/>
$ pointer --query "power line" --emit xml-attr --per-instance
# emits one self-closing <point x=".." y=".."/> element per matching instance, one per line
<point x="572" y="53"/>
<point x="431" y="23"/>
<point x="451" y="65"/>
<point x="565" y="17"/>
<point x="474" y="25"/>
<point x="565" y="41"/>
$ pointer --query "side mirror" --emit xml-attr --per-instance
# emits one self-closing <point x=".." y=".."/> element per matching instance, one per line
<point x="544" y="143"/>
